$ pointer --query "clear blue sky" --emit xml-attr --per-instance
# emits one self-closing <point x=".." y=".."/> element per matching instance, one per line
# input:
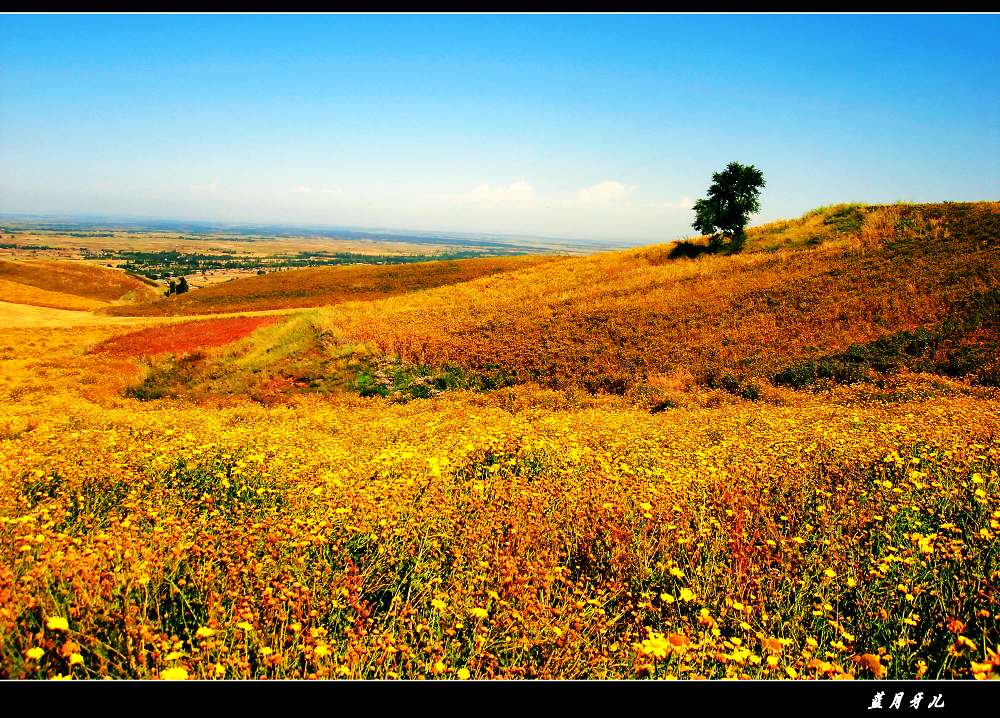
<point x="594" y="126"/>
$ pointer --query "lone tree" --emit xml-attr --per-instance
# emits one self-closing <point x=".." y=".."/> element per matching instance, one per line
<point x="177" y="287"/>
<point x="732" y="198"/>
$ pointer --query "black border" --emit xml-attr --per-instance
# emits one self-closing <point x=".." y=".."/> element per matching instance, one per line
<point x="778" y="697"/>
<point x="657" y="698"/>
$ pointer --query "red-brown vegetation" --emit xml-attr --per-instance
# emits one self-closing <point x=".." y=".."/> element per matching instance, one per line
<point x="320" y="286"/>
<point x="184" y="337"/>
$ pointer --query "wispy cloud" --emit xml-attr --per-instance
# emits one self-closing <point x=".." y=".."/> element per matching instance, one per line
<point x="486" y="195"/>
<point x="303" y="189"/>
<point x="602" y="193"/>
<point x="683" y="203"/>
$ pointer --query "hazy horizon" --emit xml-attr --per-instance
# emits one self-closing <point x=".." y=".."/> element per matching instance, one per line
<point x="601" y="128"/>
<point x="96" y="221"/>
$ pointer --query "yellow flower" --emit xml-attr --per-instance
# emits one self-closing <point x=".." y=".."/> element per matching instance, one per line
<point x="961" y="641"/>
<point x="830" y="573"/>
<point x="874" y="664"/>
<point x="57" y="623"/>
<point x="678" y="642"/>
<point x="676" y="572"/>
<point x="174" y="674"/>
<point x="463" y="674"/>
<point x="322" y="650"/>
<point x="173" y="656"/>
<point x="656" y="646"/>
<point x="34" y="653"/>
<point x="687" y="594"/>
<point x="478" y="612"/>
<point x="204" y="632"/>
<point x="438" y="604"/>
<point x="295" y="626"/>
<point x="61" y="677"/>
<point x="772" y="645"/>
<point x="981" y="670"/>
<point x="75" y="658"/>
<point x="244" y="625"/>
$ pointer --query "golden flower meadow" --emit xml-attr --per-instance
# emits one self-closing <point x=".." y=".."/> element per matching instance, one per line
<point x="500" y="535"/>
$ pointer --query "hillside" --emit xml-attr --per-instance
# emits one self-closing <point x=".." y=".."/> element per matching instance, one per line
<point x="68" y="285"/>
<point x="320" y="286"/>
<point x="274" y="497"/>
<point x="842" y="294"/>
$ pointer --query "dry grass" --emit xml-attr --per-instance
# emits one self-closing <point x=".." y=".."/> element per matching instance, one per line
<point x="80" y="279"/>
<point x="17" y="293"/>
<point x="878" y="227"/>
<point x="608" y="321"/>
<point x="525" y="532"/>
<point x="486" y="536"/>
<point x="321" y="286"/>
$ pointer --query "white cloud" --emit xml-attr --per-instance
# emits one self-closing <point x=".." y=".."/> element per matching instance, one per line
<point x="519" y="192"/>
<point x="602" y="193"/>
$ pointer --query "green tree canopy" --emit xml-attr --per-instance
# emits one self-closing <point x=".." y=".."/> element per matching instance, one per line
<point x="732" y="198"/>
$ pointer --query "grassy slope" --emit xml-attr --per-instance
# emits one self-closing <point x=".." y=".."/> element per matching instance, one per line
<point x="609" y="320"/>
<point x="619" y="322"/>
<point x="68" y="285"/>
<point x="320" y="286"/>
<point x="498" y="535"/>
<point x="17" y="293"/>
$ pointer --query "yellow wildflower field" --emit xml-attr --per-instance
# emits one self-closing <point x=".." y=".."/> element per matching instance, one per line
<point x="782" y="464"/>
<point x="487" y="535"/>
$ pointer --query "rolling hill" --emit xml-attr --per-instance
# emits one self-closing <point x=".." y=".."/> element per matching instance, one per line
<point x="321" y="286"/>
<point x="658" y="462"/>
<point x="69" y="285"/>
<point x="841" y="294"/>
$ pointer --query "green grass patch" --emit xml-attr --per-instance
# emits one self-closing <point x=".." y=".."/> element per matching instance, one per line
<point x="224" y="482"/>
<point x="947" y="348"/>
<point x="403" y="382"/>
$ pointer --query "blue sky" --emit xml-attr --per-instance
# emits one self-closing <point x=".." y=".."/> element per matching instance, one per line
<point x="593" y="126"/>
